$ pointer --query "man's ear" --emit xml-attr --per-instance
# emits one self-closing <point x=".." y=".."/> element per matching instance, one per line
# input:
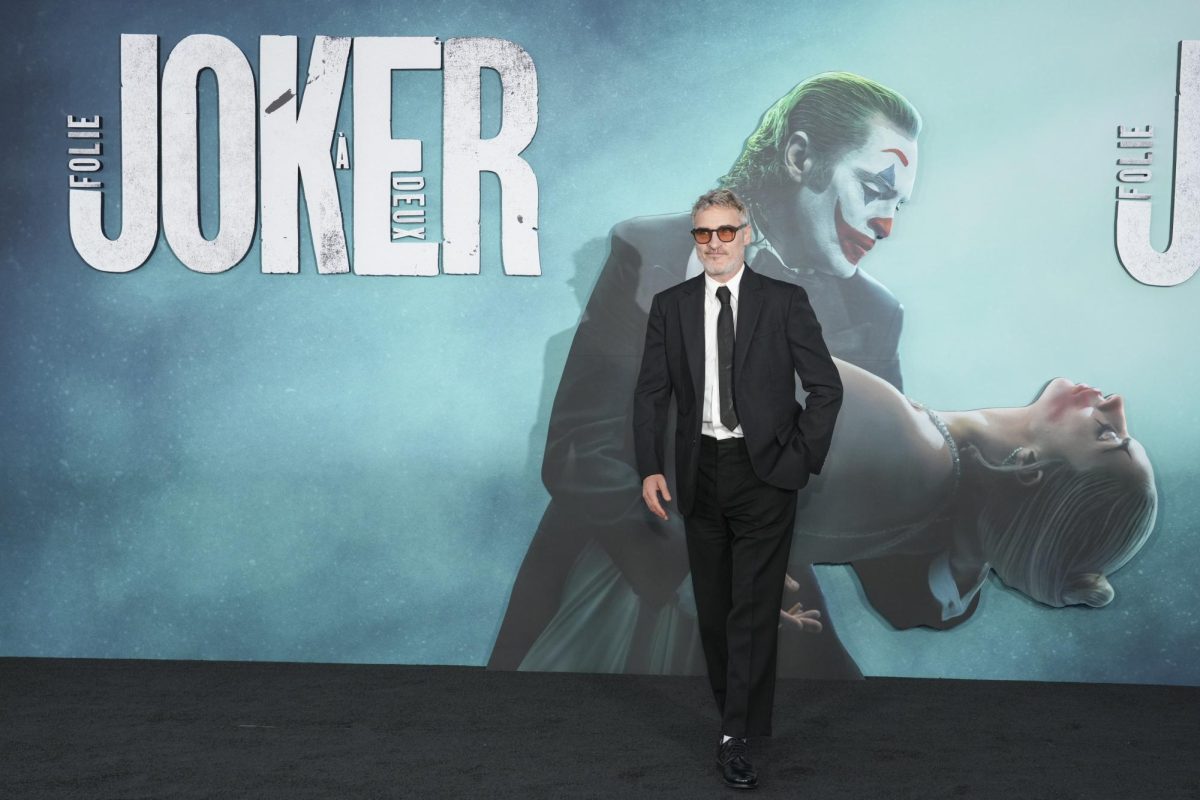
<point x="797" y="157"/>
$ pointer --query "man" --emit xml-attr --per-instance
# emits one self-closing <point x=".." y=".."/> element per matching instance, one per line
<point x="823" y="173"/>
<point x="728" y="346"/>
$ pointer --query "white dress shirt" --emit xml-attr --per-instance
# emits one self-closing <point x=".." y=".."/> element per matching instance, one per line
<point x="710" y="424"/>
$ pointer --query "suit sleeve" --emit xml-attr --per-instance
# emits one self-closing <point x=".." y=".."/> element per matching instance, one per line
<point x="652" y="396"/>
<point x="589" y="458"/>
<point x="819" y="376"/>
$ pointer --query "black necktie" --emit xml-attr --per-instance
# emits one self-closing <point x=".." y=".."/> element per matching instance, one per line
<point x="725" y="359"/>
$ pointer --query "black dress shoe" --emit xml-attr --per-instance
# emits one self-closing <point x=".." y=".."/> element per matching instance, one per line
<point x="733" y="759"/>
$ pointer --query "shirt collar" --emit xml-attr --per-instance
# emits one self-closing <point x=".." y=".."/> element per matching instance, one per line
<point x="711" y="286"/>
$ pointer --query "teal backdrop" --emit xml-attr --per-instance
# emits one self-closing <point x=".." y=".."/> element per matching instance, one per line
<point x="346" y="468"/>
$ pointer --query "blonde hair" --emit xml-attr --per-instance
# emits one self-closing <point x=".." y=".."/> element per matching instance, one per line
<point x="1059" y="538"/>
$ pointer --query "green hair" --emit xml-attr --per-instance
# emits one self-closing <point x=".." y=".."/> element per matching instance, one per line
<point x="835" y="109"/>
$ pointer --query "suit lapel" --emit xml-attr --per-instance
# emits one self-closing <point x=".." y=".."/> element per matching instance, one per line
<point x="749" y="304"/>
<point x="691" y="319"/>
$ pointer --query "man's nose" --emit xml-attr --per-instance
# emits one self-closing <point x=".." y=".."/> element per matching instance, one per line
<point x="882" y="226"/>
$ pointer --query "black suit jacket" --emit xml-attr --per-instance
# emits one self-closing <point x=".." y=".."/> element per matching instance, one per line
<point x="777" y="338"/>
<point x="589" y="459"/>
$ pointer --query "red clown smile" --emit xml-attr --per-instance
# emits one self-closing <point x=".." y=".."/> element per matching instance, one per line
<point x="854" y="243"/>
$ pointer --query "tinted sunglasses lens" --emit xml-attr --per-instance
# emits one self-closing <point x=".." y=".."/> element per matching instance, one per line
<point x="726" y="233"/>
<point x="702" y="235"/>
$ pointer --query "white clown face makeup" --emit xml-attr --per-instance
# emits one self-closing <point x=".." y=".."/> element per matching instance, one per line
<point x="840" y="223"/>
<point x="1085" y="427"/>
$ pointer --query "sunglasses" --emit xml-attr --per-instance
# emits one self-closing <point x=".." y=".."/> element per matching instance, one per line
<point x="725" y="233"/>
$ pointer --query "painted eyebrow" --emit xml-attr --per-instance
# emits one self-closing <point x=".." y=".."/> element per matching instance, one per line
<point x="899" y="154"/>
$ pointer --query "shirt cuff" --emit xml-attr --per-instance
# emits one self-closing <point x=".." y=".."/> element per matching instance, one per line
<point x="945" y="589"/>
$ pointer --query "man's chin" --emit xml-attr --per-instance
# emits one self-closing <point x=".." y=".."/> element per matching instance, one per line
<point x="720" y="270"/>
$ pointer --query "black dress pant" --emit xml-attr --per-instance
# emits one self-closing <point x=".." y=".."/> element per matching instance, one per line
<point x="738" y="536"/>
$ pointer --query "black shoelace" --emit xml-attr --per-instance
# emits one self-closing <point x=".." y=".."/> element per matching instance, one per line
<point x="732" y="749"/>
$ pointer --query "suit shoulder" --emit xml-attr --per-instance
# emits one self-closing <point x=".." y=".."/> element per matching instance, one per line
<point x="673" y="293"/>
<point x="647" y="233"/>
<point x="647" y="243"/>
<point x="646" y="255"/>
<point x="782" y="289"/>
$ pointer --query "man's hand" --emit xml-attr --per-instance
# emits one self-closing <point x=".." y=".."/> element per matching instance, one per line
<point x="796" y="617"/>
<point x="651" y="487"/>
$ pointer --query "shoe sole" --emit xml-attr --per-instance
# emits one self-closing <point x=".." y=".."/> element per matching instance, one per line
<point x="741" y="785"/>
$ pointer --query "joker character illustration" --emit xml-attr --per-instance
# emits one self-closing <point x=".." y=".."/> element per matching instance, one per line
<point x="1054" y="497"/>
<point x="823" y="175"/>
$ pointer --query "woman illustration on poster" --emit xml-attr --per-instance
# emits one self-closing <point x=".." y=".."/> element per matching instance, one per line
<point x="1054" y="497"/>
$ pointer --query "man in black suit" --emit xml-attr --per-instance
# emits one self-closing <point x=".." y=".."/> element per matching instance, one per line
<point x="825" y="170"/>
<point x="728" y="346"/>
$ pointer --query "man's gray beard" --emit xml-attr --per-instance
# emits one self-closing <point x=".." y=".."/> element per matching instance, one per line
<point x="729" y="270"/>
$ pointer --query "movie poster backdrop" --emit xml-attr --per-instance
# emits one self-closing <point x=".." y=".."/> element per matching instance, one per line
<point x="321" y="329"/>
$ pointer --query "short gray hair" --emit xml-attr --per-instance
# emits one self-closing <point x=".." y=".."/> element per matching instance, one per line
<point x="722" y="198"/>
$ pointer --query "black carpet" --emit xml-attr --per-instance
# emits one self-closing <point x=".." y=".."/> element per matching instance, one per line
<point x="172" y="729"/>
